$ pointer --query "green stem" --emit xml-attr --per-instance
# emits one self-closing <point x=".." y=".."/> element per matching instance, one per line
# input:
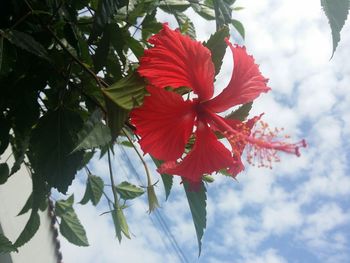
<point x="115" y="194"/>
<point x="217" y="15"/>
<point x="149" y="181"/>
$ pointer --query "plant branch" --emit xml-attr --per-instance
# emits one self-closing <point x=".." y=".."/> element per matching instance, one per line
<point x="149" y="182"/>
<point x="115" y="194"/>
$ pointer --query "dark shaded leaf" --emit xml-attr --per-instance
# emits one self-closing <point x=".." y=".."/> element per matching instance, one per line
<point x="94" y="190"/>
<point x="150" y="25"/>
<point x="101" y="54"/>
<point x="127" y="92"/>
<point x="217" y="46"/>
<point x="29" y="230"/>
<point x="19" y="147"/>
<point x="27" y="206"/>
<point x="105" y="10"/>
<point x="52" y="143"/>
<point x="198" y="203"/>
<point x="116" y="117"/>
<point x="4" y="134"/>
<point x="128" y="191"/>
<point x="6" y="245"/>
<point x="72" y="37"/>
<point x="337" y="13"/>
<point x="25" y="42"/>
<point x="241" y="113"/>
<point x="4" y="172"/>
<point x="135" y="46"/>
<point x="1" y="50"/>
<point x="8" y="57"/>
<point x="94" y="133"/>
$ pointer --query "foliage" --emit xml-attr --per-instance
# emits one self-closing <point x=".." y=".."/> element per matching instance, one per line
<point x="74" y="96"/>
<point x="336" y="12"/>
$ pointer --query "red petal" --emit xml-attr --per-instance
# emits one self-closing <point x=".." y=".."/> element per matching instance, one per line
<point x="165" y="122"/>
<point x="177" y="60"/>
<point x="208" y="155"/>
<point x="245" y="85"/>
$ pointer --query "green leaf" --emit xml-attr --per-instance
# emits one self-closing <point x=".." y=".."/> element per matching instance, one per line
<point x="25" y="42"/>
<point x="127" y="144"/>
<point x="70" y="226"/>
<point x="241" y="113"/>
<point x="52" y="143"/>
<point x="185" y="24"/>
<point x="94" y="133"/>
<point x="6" y="245"/>
<point x="208" y="178"/>
<point x="197" y="202"/>
<point x="94" y="190"/>
<point x="4" y="172"/>
<point x="135" y="46"/>
<point x="101" y="53"/>
<point x="239" y="27"/>
<point x="29" y="230"/>
<point x="336" y="12"/>
<point x="150" y="25"/>
<point x="116" y="117"/>
<point x="103" y="16"/>
<point x="120" y="224"/>
<point x="27" y="206"/>
<point x="217" y="46"/>
<point x="129" y="191"/>
<point x="204" y="11"/>
<point x="72" y="230"/>
<point x="223" y="12"/>
<point x="166" y="178"/>
<point x="64" y="206"/>
<point x="127" y="92"/>
<point x="171" y="6"/>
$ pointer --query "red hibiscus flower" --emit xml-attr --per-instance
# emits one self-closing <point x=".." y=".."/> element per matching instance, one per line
<point x="166" y="121"/>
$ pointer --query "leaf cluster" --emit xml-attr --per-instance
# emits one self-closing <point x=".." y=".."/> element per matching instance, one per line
<point x="68" y="83"/>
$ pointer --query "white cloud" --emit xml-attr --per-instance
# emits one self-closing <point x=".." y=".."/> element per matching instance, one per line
<point x="269" y="256"/>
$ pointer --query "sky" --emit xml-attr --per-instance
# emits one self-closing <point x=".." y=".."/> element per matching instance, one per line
<point x="297" y="212"/>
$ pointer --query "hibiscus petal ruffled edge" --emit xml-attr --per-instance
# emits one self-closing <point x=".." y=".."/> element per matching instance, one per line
<point x="246" y="83"/>
<point x="177" y="60"/>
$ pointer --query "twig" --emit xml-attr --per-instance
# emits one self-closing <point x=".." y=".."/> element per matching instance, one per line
<point x="149" y="182"/>
<point x="115" y="194"/>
